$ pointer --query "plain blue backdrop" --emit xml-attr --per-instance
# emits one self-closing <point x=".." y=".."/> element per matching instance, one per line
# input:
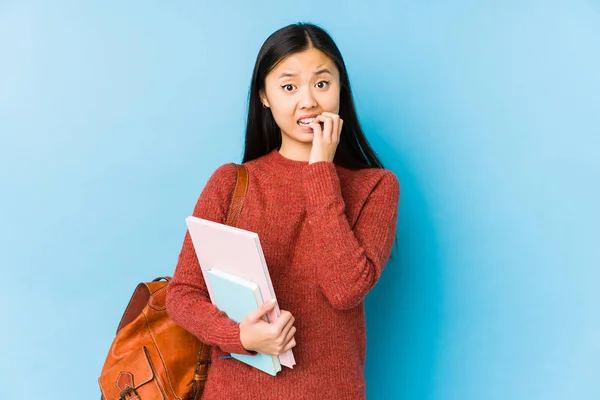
<point x="113" y="114"/>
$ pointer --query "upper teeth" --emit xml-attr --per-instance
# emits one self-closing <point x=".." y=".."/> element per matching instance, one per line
<point x="307" y="120"/>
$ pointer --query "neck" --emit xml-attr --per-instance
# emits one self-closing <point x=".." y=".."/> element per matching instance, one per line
<point x="295" y="150"/>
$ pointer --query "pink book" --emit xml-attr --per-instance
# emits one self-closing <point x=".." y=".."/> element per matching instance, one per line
<point x="239" y="252"/>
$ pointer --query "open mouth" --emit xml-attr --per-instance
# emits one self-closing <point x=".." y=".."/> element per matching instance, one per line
<point x="306" y="121"/>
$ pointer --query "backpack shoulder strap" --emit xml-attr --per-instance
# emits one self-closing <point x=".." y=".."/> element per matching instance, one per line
<point x="235" y="209"/>
<point x="239" y="195"/>
<point x="143" y="291"/>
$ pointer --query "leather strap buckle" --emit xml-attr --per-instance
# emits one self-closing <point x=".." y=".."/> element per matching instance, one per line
<point x="125" y="393"/>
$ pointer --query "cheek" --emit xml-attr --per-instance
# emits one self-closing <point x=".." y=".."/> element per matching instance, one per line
<point x="283" y="112"/>
<point x="332" y="106"/>
<point x="331" y="102"/>
<point x="282" y="107"/>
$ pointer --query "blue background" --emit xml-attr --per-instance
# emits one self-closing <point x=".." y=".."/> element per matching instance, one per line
<point x="114" y="114"/>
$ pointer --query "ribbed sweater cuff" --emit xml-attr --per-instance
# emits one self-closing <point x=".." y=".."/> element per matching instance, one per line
<point x="231" y="342"/>
<point x="321" y="183"/>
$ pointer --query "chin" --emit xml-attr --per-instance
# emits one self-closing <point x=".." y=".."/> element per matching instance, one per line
<point x="302" y="140"/>
<point x="299" y="140"/>
<point x="301" y="136"/>
<point x="304" y="137"/>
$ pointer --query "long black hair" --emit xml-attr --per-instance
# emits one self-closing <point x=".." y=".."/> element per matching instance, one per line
<point x="262" y="133"/>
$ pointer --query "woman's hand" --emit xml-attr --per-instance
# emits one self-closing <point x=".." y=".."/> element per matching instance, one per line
<point x="268" y="338"/>
<point x="325" y="139"/>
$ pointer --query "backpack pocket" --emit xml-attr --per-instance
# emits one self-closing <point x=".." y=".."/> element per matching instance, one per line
<point x="131" y="378"/>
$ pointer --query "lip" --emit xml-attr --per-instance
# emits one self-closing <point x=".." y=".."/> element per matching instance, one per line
<point x="305" y="128"/>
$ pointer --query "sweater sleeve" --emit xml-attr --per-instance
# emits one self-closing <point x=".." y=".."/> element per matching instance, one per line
<point x="349" y="259"/>
<point x="188" y="302"/>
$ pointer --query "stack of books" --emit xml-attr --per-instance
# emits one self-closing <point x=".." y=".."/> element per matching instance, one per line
<point x="237" y="279"/>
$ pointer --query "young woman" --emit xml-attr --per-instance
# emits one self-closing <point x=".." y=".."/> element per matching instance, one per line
<point x="325" y="210"/>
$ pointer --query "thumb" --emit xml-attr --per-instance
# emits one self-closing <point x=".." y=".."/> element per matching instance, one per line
<point x="317" y="131"/>
<point x="264" y="308"/>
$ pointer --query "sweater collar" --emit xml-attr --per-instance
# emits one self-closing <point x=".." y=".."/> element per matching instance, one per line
<point x="284" y="167"/>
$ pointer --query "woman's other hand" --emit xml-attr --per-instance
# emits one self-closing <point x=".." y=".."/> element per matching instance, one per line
<point x="263" y="337"/>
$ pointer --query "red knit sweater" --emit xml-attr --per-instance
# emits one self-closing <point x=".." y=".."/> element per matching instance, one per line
<point x="326" y="232"/>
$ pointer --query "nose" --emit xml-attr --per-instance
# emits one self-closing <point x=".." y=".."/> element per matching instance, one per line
<point x="307" y="100"/>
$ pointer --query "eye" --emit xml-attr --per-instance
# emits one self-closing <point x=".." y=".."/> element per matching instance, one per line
<point x="288" y="87"/>
<point x="322" y="84"/>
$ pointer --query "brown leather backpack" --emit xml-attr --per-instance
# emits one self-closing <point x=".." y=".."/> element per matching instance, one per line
<point x="151" y="357"/>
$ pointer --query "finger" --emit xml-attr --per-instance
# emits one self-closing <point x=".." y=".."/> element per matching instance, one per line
<point x="289" y="335"/>
<point x="291" y="344"/>
<point x="287" y="327"/>
<point x="336" y="124"/>
<point x="284" y="336"/>
<point x="330" y="114"/>
<point x="340" y="128"/>
<point x="327" y="126"/>
<point x="282" y="321"/>
<point x="264" y="308"/>
<point x="317" y="131"/>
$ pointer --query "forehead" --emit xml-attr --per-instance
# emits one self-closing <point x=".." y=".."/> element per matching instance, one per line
<point x="304" y="62"/>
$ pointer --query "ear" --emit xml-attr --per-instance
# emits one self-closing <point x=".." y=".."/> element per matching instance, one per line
<point x="263" y="99"/>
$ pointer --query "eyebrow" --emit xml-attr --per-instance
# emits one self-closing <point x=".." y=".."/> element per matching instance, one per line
<point x="292" y="74"/>
<point x="323" y="71"/>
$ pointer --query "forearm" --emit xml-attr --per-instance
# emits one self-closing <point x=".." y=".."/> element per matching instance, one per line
<point x="349" y="261"/>
<point x="203" y="319"/>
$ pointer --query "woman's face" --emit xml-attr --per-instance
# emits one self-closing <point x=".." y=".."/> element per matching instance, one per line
<point x="299" y="88"/>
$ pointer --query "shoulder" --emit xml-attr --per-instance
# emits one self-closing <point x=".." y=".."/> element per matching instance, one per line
<point x="215" y="196"/>
<point x="221" y="181"/>
<point x="224" y="173"/>
<point x="388" y="181"/>
<point x="370" y="180"/>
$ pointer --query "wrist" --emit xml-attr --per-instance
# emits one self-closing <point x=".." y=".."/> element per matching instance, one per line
<point x="243" y="340"/>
